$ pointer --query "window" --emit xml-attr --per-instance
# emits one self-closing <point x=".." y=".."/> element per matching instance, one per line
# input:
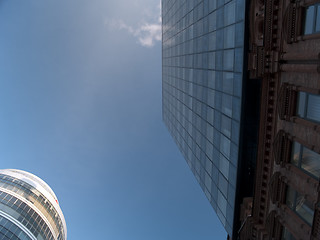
<point x="308" y="106"/>
<point x="286" y="235"/>
<point x="297" y="203"/>
<point x="312" y="19"/>
<point x="306" y="159"/>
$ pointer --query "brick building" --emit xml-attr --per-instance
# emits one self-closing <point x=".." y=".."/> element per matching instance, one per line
<point x="284" y="55"/>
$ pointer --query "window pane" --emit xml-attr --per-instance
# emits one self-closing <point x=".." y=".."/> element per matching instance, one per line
<point x="313" y="109"/>
<point x="227" y="84"/>
<point x="226" y="126"/>
<point x="295" y="154"/>
<point x="223" y="185"/>
<point x="305" y="159"/>
<point x="225" y="146"/>
<point x="286" y="235"/>
<point x="304" y="209"/>
<point x="207" y="181"/>
<point x="212" y="41"/>
<point x="227" y="105"/>
<point x="308" y="106"/>
<point x="222" y="203"/>
<point x="308" y="27"/>
<point x="229" y="13"/>
<point x="228" y="60"/>
<point x="318" y="19"/>
<point x="300" y="205"/>
<point x="311" y="162"/>
<point x="224" y="166"/>
<point x="229" y="39"/>
<point x="290" y="198"/>
<point x="301" y="104"/>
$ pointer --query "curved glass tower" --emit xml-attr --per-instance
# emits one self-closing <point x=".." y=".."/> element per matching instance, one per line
<point x="29" y="209"/>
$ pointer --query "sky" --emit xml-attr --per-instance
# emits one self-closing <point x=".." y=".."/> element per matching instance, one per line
<point x="80" y="107"/>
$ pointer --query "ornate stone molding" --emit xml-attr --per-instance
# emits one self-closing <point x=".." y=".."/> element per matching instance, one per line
<point x="282" y="148"/>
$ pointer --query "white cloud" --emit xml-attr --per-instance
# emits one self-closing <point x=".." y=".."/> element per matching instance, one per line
<point x="147" y="33"/>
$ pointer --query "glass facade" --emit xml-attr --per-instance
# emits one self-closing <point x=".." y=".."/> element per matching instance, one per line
<point x="202" y="64"/>
<point x="8" y="230"/>
<point x="29" y="208"/>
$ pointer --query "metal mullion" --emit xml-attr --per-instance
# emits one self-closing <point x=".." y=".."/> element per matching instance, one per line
<point x="314" y="18"/>
<point x="300" y="155"/>
<point x="306" y="100"/>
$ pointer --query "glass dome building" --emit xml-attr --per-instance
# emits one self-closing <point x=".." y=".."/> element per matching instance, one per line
<point x="29" y="209"/>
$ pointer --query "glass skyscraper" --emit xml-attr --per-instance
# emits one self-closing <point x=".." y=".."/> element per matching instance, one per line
<point x="202" y="86"/>
<point x="29" y="209"/>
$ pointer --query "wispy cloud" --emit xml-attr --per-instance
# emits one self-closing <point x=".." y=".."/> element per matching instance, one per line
<point x="147" y="33"/>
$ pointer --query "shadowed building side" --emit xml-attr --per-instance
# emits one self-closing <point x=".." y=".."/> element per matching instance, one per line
<point x="284" y="55"/>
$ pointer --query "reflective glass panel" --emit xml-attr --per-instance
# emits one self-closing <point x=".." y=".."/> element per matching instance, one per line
<point x="301" y="104"/>
<point x="300" y="205"/>
<point x="318" y="19"/>
<point x="313" y="107"/>
<point x="295" y="154"/>
<point x="308" y="27"/>
<point x="310" y="162"/>
<point x="308" y="106"/>
<point x="306" y="159"/>
<point x="312" y="19"/>
<point x="286" y="235"/>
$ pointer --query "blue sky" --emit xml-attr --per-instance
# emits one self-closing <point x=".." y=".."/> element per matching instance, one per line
<point x="80" y="106"/>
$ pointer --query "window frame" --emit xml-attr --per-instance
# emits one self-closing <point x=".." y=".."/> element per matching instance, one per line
<point x="305" y="106"/>
<point x="285" y="231"/>
<point x="295" y="204"/>
<point x="300" y="158"/>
